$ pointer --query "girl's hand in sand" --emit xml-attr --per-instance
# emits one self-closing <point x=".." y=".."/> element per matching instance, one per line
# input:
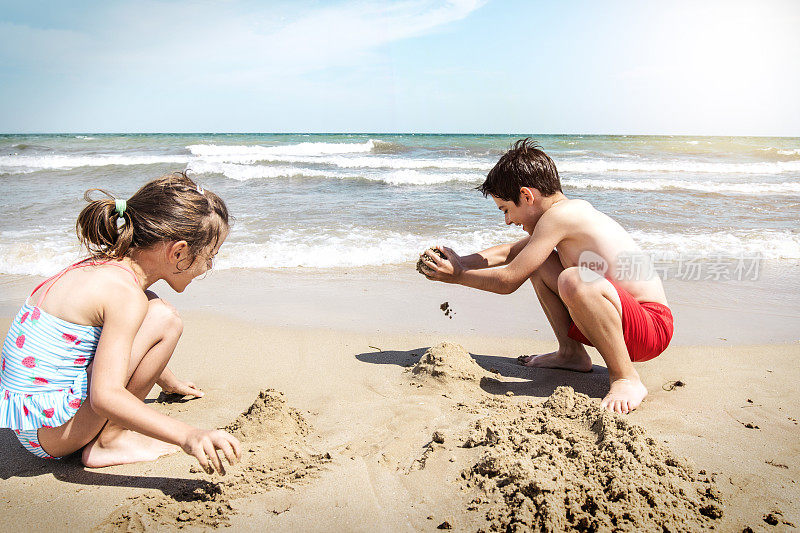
<point x="438" y="269"/>
<point x="204" y="443"/>
<point x="170" y="384"/>
<point x="183" y="388"/>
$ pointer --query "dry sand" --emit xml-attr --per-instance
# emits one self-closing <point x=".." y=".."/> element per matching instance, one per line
<point x="348" y="431"/>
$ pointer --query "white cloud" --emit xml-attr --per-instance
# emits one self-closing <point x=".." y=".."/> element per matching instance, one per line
<point x="212" y="38"/>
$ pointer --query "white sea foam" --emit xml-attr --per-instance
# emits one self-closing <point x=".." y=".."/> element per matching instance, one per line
<point x="789" y="188"/>
<point x="360" y="247"/>
<point x="353" y="247"/>
<point x="249" y="152"/>
<point x="287" y="154"/>
<point x="393" y="177"/>
<point x="769" y="243"/>
<point x="781" y="151"/>
<point x="17" y="164"/>
<point x="595" y="166"/>
<point x="42" y="257"/>
<point x="242" y="172"/>
<point x="371" y="155"/>
<point x="292" y="154"/>
<point x="415" y="177"/>
<point x="248" y="172"/>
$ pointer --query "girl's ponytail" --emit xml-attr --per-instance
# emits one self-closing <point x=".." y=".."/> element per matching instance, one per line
<point x="105" y="227"/>
<point x="170" y="208"/>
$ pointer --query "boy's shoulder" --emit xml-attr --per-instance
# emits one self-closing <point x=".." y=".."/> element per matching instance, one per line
<point x="569" y="211"/>
<point x="569" y="217"/>
<point x="572" y="204"/>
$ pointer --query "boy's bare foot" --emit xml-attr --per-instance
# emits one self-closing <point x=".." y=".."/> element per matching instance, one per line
<point x="577" y="361"/>
<point x="625" y="395"/>
<point x="117" y="446"/>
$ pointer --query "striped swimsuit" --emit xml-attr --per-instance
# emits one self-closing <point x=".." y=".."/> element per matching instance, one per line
<point x="43" y="379"/>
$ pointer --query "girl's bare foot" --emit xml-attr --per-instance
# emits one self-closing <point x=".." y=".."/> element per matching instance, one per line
<point x="116" y="446"/>
<point x="625" y="395"/>
<point x="578" y="361"/>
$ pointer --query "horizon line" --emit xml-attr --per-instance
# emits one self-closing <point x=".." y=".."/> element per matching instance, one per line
<point x="513" y="134"/>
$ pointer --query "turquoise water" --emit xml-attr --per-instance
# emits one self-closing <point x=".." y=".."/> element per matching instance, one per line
<point x="344" y="200"/>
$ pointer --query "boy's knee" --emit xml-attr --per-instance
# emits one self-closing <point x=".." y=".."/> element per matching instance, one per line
<point x="166" y="315"/>
<point x="572" y="285"/>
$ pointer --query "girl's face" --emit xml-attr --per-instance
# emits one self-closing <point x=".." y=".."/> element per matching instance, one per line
<point x="203" y="262"/>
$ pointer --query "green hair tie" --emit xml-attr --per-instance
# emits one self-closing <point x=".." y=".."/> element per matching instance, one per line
<point x="121" y="205"/>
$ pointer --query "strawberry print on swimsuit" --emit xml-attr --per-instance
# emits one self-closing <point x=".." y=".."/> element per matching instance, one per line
<point x="43" y="380"/>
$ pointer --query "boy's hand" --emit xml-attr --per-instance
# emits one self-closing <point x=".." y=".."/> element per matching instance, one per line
<point x="203" y="445"/>
<point x="438" y="269"/>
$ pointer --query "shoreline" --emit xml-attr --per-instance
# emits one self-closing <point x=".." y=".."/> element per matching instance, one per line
<point x="399" y="300"/>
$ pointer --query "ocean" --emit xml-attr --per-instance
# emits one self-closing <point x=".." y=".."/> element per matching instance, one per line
<point x="339" y="201"/>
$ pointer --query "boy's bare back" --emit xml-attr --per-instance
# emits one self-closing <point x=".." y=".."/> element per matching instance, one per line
<point x="587" y="229"/>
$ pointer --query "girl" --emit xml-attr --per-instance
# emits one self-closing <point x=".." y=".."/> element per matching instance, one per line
<point x="95" y="332"/>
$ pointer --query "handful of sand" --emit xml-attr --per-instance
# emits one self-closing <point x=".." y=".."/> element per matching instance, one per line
<point x="421" y="266"/>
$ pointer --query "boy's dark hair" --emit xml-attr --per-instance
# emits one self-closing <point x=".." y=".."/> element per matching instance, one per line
<point x="524" y="165"/>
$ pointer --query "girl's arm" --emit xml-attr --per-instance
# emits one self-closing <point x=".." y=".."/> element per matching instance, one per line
<point x="123" y="311"/>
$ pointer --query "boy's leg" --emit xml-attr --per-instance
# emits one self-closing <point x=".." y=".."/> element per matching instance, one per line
<point x="571" y="354"/>
<point x="596" y="309"/>
<point x="107" y="444"/>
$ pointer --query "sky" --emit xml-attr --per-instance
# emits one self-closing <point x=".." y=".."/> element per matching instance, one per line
<point x="712" y="67"/>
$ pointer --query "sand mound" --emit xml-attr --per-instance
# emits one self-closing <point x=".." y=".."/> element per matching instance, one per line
<point x="568" y="464"/>
<point x="268" y="418"/>
<point x="274" y="455"/>
<point x="449" y="362"/>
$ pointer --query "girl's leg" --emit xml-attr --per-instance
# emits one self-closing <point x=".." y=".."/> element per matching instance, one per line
<point x="152" y="348"/>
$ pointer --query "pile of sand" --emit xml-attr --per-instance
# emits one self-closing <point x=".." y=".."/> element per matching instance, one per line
<point x="268" y="418"/>
<point x="449" y="363"/>
<point x="569" y="464"/>
<point x="274" y="455"/>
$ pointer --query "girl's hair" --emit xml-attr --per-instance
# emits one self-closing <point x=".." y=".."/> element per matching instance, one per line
<point x="170" y="208"/>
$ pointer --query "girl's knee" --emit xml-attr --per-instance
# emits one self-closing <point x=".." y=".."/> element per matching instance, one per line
<point x="166" y="316"/>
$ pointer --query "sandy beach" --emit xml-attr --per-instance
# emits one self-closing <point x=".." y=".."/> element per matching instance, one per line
<point x="344" y="429"/>
<point x="284" y="165"/>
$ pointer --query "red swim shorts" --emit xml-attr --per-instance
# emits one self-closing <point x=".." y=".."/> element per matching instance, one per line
<point x="646" y="326"/>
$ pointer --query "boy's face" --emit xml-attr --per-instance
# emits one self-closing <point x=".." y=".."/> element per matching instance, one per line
<point x="519" y="215"/>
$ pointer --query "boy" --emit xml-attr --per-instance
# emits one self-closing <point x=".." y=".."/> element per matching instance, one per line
<point x="578" y="260"/>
